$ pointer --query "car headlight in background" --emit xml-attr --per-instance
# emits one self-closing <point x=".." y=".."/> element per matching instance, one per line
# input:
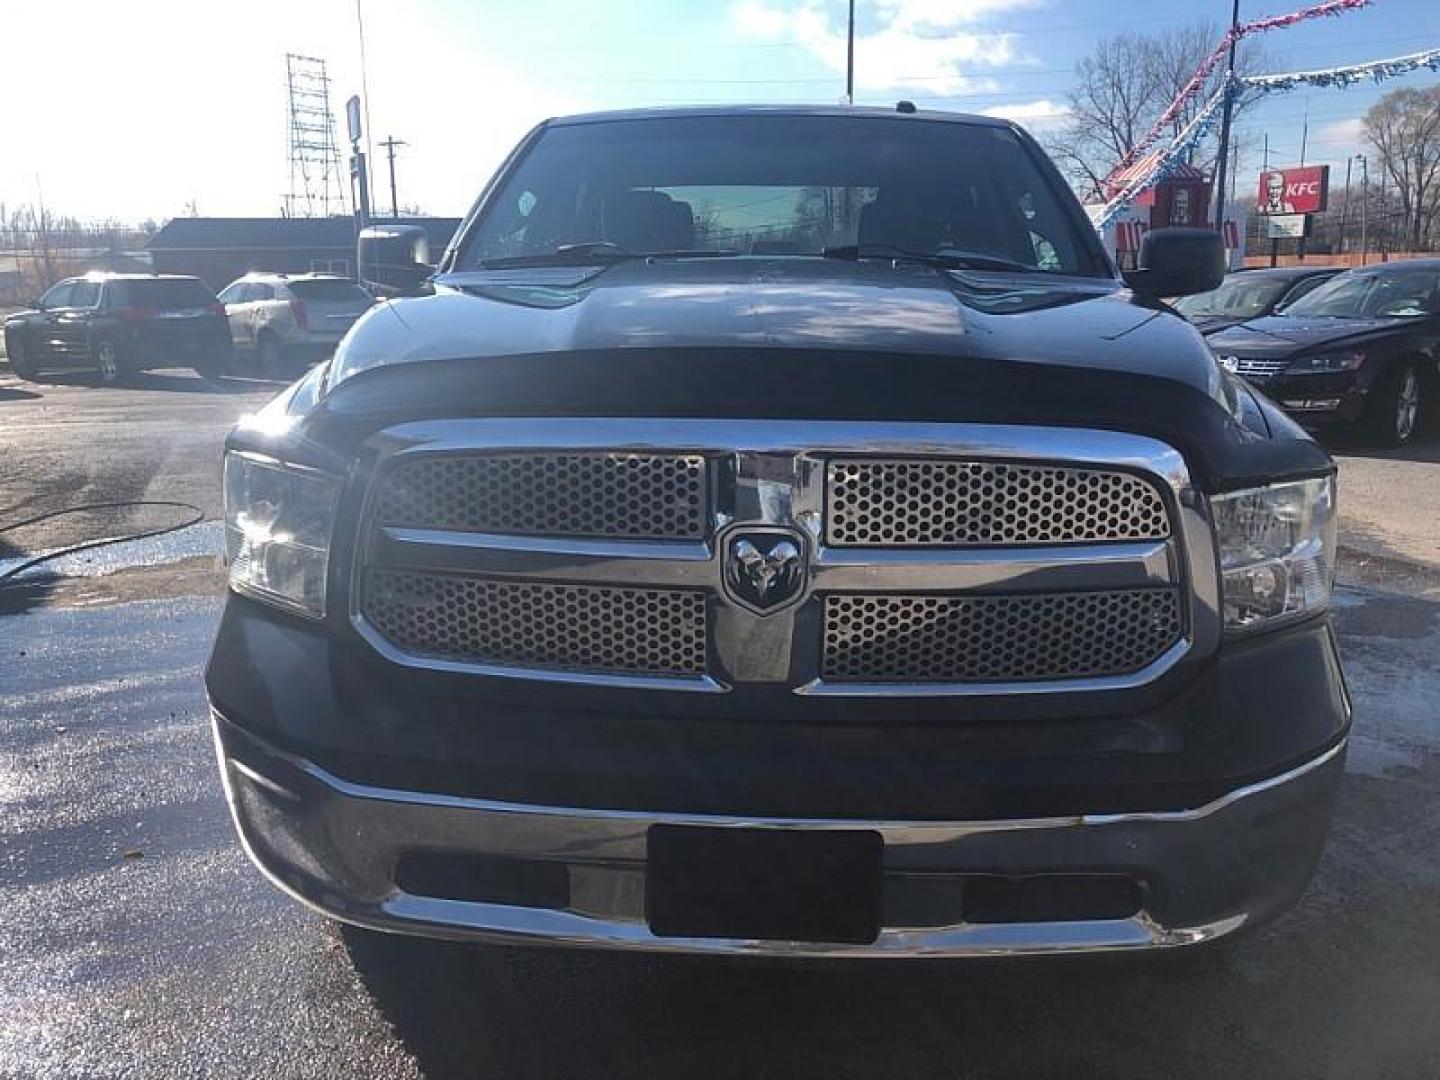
<point x="278" y="520"/>
<point x="1346" y="360"/>
<point x="1277" y="551"/>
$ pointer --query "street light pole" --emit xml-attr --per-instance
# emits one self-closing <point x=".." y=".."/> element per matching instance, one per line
<point x="1225" y="121"/>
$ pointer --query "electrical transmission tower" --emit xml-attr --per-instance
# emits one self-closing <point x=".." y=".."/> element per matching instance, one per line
<point x="317" y="186"/>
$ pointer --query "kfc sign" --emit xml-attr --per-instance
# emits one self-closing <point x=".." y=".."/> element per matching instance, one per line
<point x="1304" y="190"/>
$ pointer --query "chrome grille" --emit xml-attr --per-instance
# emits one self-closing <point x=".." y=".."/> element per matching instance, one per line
<point x="930" y="502"/>
<point x="1255" y="367"/>
<point x="874" y="637"/>
<point x="578" y="627"/>
<point x="648" y="495"/>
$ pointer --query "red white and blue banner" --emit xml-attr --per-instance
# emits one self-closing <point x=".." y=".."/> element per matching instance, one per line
<point x="1162" y="163"/>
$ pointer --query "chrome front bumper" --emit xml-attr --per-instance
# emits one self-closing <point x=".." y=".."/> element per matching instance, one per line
<point x="1204" y="872"/>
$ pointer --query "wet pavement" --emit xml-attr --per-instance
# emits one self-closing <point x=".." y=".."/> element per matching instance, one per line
<point x="137" y="941"/>
<point x="66" y="442"/>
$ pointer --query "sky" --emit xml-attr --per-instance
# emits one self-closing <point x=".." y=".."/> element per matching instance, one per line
<point x="155" y="106"/>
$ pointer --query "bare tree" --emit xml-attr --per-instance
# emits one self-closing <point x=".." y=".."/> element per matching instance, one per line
<point x="1113" y="101"/>
<point x="1124" y="87"/>
<point x="1404" y="129"/>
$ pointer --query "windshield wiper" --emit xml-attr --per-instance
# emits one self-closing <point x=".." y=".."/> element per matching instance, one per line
<point x="593" y="253"/>
<point x="945" y="259"/>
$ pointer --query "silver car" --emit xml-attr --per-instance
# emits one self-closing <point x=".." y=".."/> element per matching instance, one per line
<point x="286" y="317"/>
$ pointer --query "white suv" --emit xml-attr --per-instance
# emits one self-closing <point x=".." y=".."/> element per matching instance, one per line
<point x="292" y="316"/>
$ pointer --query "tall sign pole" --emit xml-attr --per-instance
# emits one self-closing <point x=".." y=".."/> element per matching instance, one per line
<point x="358" y="177"/>
<point x="1225" y="120"/>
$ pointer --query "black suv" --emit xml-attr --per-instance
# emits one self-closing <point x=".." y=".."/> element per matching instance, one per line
<point x="1362" y="350"/>
<point x="118" y="323"/>
<point x="783" y="530"/>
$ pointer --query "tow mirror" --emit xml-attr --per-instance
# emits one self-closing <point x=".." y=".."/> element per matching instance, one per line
<point x="1178" y="262"/>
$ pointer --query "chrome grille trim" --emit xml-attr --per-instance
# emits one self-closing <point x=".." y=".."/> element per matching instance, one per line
<point x="535" y="624"/>
<point x="1025" y="637"/>
<point x="597" y="493"/>
<point x="1259" y="368"/>
<point x="772" y="473"/>
<point x="950" y="502"/>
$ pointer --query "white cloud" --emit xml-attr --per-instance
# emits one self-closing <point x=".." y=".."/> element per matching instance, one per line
<point x="1342" y="133"/>
<point x="928" y="45"/>
<point x="1039" y="115"/>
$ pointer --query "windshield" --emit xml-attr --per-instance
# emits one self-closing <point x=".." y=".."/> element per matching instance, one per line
<point x="783" y="185"/>
<point x="166" y="294"/>
<point x="321" y="290"/>
<point x="1396" y="293"/>
<point x="1237" y="296"/>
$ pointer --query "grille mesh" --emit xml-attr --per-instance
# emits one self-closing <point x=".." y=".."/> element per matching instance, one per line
<point x="656" y="496"/>
<point x="892" y="638"/>
<point x="927" y="502"/>
<point x="579" y="627"/>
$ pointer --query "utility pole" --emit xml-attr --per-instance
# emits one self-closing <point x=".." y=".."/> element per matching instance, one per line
<point x="1304" y="132"/>
<point x="1364" y="207"/>
<point x="390" y="143"/>
<point x="1304" y="141"/>
<point x="1225" y="120"/>
<point x="850" y="56"/>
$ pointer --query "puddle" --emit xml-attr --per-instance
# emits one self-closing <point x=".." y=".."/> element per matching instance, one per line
<point x="204" y="538"/>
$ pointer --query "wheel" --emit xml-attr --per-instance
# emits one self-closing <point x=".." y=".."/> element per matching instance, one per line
<point x="1395" y="406"/>
<point x="212" y="366"/>
<point x="20" y="363"/>
<point x="107" y="359"/>
<point x="272" y="357"/>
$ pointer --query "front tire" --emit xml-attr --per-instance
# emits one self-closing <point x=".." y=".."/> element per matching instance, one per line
<point x="20" y="363"/>
<point x="272" y="357"/>
<point x="211" y="367"/>
<point x="1395" y="406"/>
<point x="107" y="359"/>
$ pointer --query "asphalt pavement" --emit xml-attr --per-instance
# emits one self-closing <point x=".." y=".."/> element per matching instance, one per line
<point x="69" y="441"/>
<point x="136" y="940"/>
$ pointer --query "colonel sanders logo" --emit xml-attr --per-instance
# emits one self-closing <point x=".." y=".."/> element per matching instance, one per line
<point x="1180" y="207"/>
<point x="1275" y="195"/>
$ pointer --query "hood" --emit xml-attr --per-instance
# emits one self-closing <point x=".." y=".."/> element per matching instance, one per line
<point x="1210" y="324"/>
<point x="1287" y="335"/>
<point x="794" y="303"/>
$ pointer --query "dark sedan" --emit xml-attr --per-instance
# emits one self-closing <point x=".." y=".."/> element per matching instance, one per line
<point x="119" y="323"/>
<point x="1251" y="294"/>
<point x="1362" y="349"/>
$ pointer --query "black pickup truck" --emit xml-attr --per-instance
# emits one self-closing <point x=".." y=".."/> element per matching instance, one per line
<point x="783" y="531"/>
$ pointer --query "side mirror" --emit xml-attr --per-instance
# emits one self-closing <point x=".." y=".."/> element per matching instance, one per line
<point x="1178" y="262"/>
<point x="35" y="304"/>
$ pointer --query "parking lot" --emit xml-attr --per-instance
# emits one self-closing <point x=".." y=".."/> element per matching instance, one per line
<point x="137" y="939"/>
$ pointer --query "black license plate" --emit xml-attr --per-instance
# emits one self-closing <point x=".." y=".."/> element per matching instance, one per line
<point x="766" y="884"/>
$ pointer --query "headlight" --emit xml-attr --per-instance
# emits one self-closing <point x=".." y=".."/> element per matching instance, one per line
<point x="1348" y="360"/>
<point x="1277" y="551"/>
<point x="277" y="531"/>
